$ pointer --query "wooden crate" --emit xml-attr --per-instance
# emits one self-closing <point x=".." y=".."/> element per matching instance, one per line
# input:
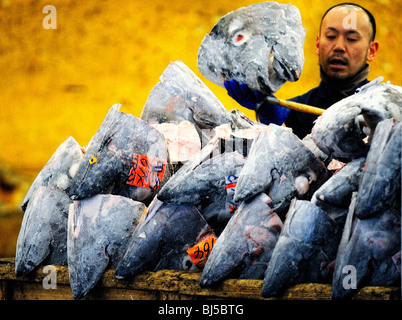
<point x="163" y="285"/>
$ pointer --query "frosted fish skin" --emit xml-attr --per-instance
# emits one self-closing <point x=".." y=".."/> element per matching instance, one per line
<point x="205" y="185"/>
<point x="338" y="133"/>
<point x="306" y="246"/>
<point x="43" y="233"/>
<point x="99" y="230"/>
<point x="109" y="157"/>
<point x="183" y="140"/>
<point x="369" y="254"/>
<point x="239" y="47"/>
<point x="380" y="186"/>
<point x="335" y="194"/>
<point x="60" y="169"/>
<point x="277" y="162"/>
<point x="244" y="248"/>
<point x="180" y="95"/>
<point x="161" y="239"/>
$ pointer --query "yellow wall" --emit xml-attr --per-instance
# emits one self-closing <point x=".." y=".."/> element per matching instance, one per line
<point x="57" y="83"/>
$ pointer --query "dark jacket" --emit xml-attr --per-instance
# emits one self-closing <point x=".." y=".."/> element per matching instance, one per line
<point x="323" y="97"/>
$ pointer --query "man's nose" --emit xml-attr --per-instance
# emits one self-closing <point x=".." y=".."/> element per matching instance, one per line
<point x="339" y="45"/>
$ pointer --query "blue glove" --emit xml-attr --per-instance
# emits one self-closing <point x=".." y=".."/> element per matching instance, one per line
<point x="270" y="113"/>
<point x="243" y="95"/>
<point x="267" y="112"/>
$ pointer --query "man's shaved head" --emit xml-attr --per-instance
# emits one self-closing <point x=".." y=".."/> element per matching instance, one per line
<point x="348" y="5"/>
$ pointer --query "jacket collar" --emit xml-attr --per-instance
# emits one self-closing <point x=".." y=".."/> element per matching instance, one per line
<point x="345" y="88"/>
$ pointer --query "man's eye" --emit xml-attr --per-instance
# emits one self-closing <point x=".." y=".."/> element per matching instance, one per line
<point x="352" y="39"/>
<point x="331" y="37"/>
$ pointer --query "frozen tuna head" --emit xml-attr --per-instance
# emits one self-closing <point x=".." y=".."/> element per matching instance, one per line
<point x="99" y="229"/>
<point x="280" y="165"/>
<point x="338" y="131"/>
<point x="260" y="45"/>
<point x="162" y="238"/>
<point x="245" y="246"/>
<point x="43" y="234"/>
<point x="181" y="96"/>
<point x="306" y="247"/>
<point x="208" y="186"/>
<point x="335" y="194"/>
<point x="125" y="157"/>
<point x="369" y="253"/>
<point x="60" y="170"/>
<point x="380" y="186"/>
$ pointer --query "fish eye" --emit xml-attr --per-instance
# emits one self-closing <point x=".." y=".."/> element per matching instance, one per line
<point x="93" y="159"/>
<point x="239" y="38"/>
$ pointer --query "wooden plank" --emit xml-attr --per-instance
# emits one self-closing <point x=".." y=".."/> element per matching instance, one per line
<point x="7" y="272"/>
<point x="18" y="290"/>
<point x="34" y="291"/>
<point x="251" y="289"/>
<point x="164" y="280"/>
<point x="230" y="288"/>
<point x="308" y="291"/>
<point x="378" y="293"/>
<point x="165" y="284"/>
<point x="7" y="269"/>
<point x="101" y="293"/>
<point x="3" y="289"/>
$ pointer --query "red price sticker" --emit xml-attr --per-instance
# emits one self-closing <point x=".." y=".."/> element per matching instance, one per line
<point x="146" y="171"/>
<point x="200" y="252"/>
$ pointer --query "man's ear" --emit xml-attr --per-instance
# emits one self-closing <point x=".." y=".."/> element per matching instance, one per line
<point x="317" y="45"/>
<point x="373" y="48"/>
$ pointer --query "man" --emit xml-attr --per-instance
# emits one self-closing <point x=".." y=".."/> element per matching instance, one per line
<point x="344" y="45"/>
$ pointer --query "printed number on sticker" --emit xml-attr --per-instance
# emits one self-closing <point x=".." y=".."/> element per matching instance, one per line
<point x="200" y="252"/>
<point x="146" y="171"/>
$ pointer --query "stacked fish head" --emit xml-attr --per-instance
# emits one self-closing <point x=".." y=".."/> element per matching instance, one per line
<point x="125" y="157"/>
<point x="60" y="169"/>
<point x="180" y="95"/>
<point x="338" y="131"/>
<point x="369" y="253"/>
<point x="280" y="165"/>
<point x="244" y="248"/>
<point x="260" y="45"/>
<point x="335" y="195"/>
<point x="162" y="238"/>
<point x="208" y="186"/>
<point x="208" y="180"/>
<point x="99" y="230"/>
<point x="43" y="234"/>
<point x="305" y="249"/>
<point x="370" y="249"/>
<point x="368" y="189"/>
<point x="380" y="186"/>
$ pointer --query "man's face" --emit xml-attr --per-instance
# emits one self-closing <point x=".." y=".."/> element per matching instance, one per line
<point x="344" y="44"/>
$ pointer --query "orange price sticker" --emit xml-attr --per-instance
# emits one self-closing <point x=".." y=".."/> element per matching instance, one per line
<point x="200" y="252"/>
<point x="146" y="171"/>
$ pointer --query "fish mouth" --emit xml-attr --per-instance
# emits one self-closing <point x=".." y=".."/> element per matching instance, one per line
<point x="290" y="73"/>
